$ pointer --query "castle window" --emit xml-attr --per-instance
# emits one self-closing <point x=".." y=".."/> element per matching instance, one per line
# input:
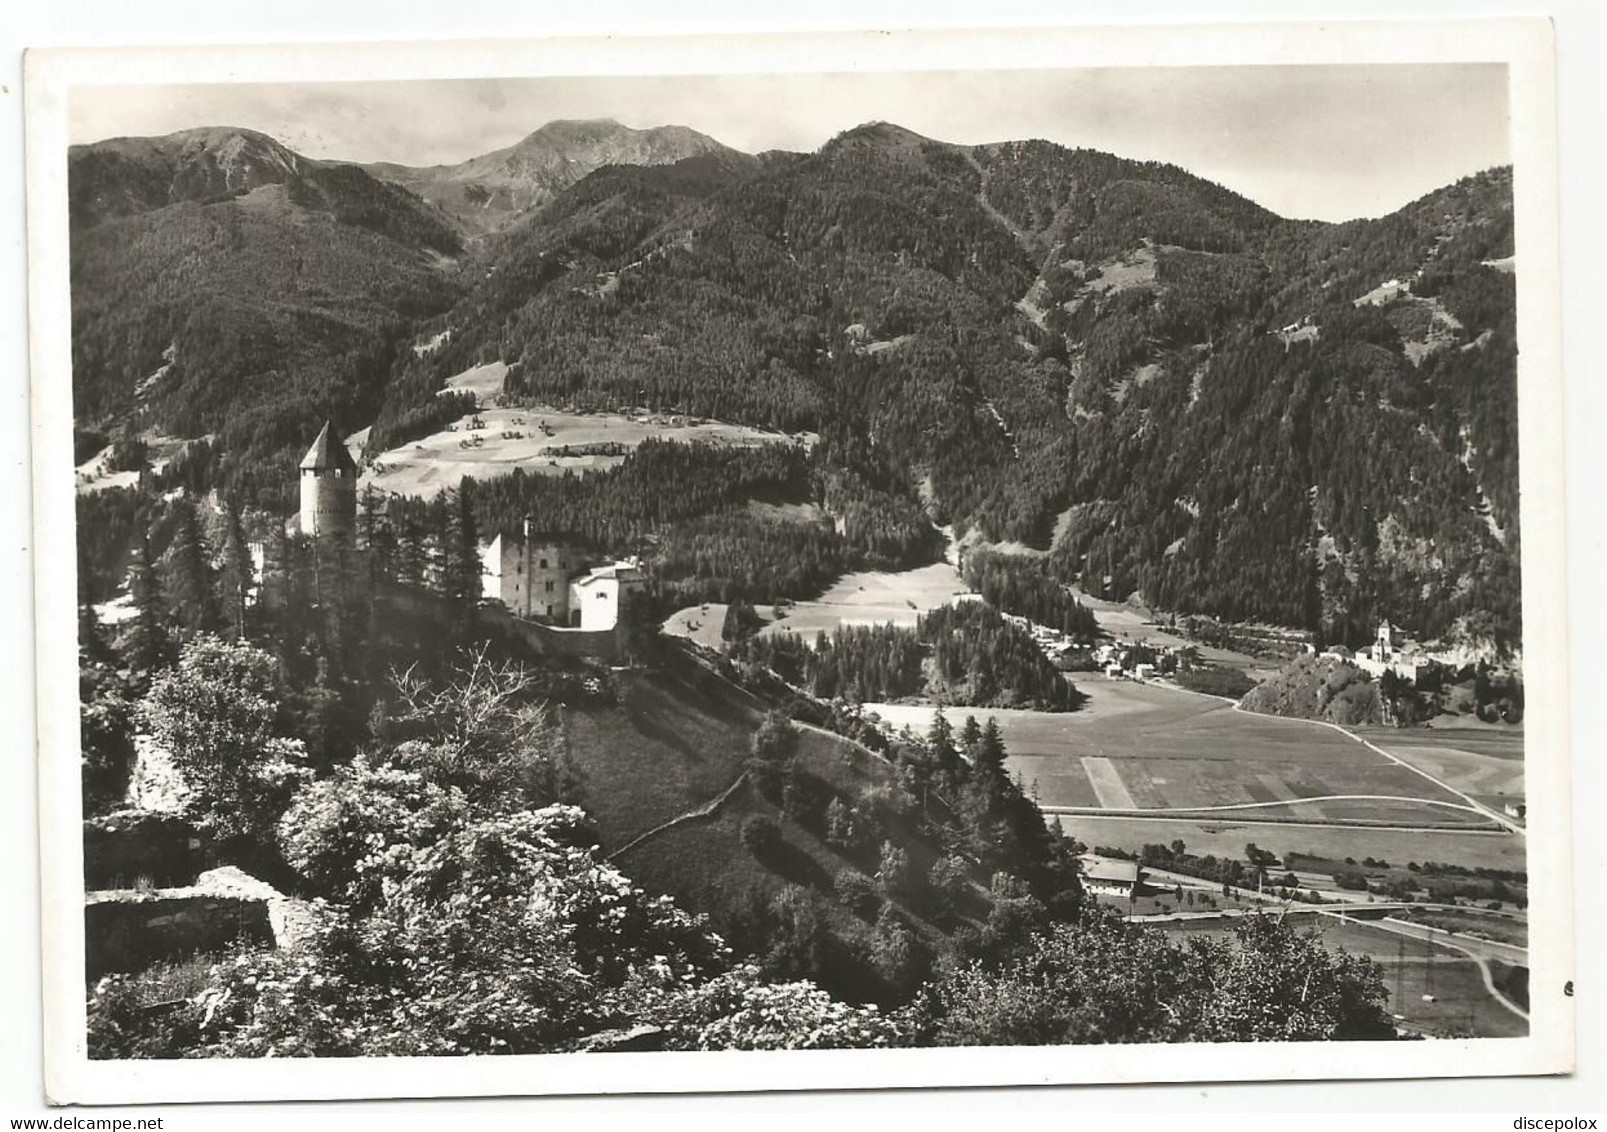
<point x="337" y="473"/>
<point x="549" y="587"/>
<point x="543" y="563"/>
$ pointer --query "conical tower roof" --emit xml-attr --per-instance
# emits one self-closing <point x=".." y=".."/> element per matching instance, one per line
<point x="328" y="452"/>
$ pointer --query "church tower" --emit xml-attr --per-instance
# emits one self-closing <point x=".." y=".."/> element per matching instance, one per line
<point x="328" y="486"/>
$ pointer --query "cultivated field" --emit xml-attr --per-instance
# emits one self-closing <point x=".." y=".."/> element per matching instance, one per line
<point x="871" y="598"/>
<point x="485" y="382"/>
<point x="702" y="623"/>
<point x="1146" y="747"/>
<point x="1226" y="838"/>
<point x="530" y="439"/>
<point x="868" y="598"/>
<point x="1502" y="928"/>
<point x="1484" y="763"/>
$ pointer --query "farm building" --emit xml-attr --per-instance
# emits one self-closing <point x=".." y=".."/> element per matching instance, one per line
<point x="1104" y="876"/>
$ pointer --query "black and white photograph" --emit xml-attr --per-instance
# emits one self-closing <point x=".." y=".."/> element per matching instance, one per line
<point x="887" y="559"/>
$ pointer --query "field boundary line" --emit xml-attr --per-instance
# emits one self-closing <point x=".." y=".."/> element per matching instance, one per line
<point x="1193" y="817"/>
<point x="1484" y="963"/>
<point x="1139" y="811"/>
<point x="1518" y="955"/>
<point x="1500" y="819"/>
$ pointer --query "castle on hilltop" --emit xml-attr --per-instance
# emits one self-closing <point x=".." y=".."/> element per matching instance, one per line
<point x="546" y="579"/>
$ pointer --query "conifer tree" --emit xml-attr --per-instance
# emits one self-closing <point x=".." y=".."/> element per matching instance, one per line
<point x="235" y="575"/>
<point x="149" y="643"/>
<point x="970" y="738"/>
<point x="940" y="744"/>
<point x="990" y="750"/>
<point x="191" y="591"/>
<point x="93" y="647"/>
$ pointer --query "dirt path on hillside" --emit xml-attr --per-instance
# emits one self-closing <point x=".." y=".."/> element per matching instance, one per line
<point x="706" y="810"/>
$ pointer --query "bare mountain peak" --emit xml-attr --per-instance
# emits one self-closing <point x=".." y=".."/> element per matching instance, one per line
<point x="123" y="176"/>
<point x="488" y="191"/>
<point x="883" y="134"/>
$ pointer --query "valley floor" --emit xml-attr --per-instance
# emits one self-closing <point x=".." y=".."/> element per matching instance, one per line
<point x="1148" y="762"/>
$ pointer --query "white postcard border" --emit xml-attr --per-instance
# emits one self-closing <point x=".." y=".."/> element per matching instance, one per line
<point x="1525" y="45"/>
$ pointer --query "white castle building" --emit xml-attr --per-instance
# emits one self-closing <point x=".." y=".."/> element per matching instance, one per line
<point x="544" y="576"/>
<point x="1384" y="655"/>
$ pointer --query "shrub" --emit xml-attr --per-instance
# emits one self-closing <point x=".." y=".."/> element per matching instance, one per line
<point x="949" y="879"/>
<point x="893" y="870"/>
<point x="1229" y="682"/>
<point x="761" y="835"/>
<point x="857" y="892"/>
<point x="217" y="714"/>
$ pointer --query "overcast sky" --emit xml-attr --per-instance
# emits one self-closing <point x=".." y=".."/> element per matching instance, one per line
<point x="1327" y="143"/>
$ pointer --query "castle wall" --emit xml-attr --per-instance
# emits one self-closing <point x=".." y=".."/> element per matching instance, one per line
<point x="328" y="502"/>
<point x="530" y="578"/>
<point x="548" y="566"/>
<point x="552" y="640"/>
<point x="128" y="931"/>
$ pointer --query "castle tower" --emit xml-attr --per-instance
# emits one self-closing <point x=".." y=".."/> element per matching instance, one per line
<point x="328" y="486"/>
<point x="1384" y="647"/>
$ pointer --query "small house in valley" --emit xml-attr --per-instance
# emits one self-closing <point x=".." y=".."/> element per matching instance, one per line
<point x="1107" y="876"/>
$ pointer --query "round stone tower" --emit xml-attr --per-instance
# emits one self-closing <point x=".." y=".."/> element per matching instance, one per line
<point x="328" y="487"/>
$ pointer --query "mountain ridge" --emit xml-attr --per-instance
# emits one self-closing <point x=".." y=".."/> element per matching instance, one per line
<point x="1185" y="387"/>
<point x="492" y="189"/>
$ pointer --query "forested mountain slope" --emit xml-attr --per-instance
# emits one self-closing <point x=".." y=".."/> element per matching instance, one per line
<point x="1199" y="392"/>
<point x="235" y="288"/>
<point x="1175" y="387"/>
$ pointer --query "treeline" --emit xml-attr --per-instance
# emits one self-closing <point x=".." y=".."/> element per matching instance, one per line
<point x="736" y="554"/>
<point x="858" y="663"/>
<point x="981" y="658"/>
<point x="419" y="421"/>
<point x="663" y="482"/>
<point x="1020" y="586"/>
<point x="959" y="654"/>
